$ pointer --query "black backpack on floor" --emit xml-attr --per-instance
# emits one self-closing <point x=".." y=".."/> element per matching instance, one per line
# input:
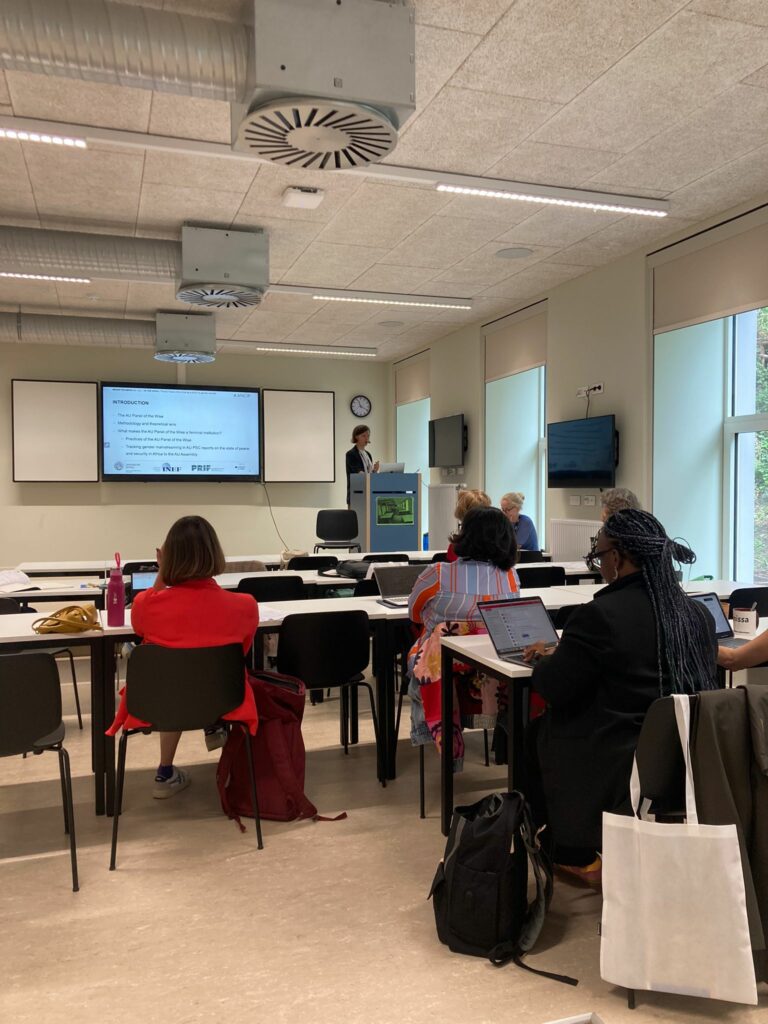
<point x="480" y="890"/>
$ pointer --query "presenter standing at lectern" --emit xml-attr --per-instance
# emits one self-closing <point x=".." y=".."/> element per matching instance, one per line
<point x="358" y="459"/>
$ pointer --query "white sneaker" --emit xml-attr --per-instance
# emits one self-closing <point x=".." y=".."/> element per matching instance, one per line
<point x="163" y="788"/>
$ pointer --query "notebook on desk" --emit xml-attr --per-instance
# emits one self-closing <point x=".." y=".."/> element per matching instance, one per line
<point x="396" y="583"/>
<point x="723" y="631"/>
<point x="514" y="624"/>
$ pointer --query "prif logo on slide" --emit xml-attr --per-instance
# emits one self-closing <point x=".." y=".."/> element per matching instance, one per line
<point x="200" y="469"/>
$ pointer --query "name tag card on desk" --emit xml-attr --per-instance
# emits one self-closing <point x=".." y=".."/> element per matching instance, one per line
<point x="745" y="620"/>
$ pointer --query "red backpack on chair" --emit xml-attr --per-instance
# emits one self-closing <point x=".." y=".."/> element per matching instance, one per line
<point x="278" y="755"/>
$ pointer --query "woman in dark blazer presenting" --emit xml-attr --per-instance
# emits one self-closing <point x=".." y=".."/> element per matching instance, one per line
<point x="641" y="638"/>
<point x="358" y="459"/>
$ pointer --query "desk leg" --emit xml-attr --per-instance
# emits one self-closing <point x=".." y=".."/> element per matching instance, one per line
<point x="518" y="701"/>
<point x="108" y="695"/>
<point x="385" y="703"/>
<point x="98" y="744"/>
<point x="446" y="753"/>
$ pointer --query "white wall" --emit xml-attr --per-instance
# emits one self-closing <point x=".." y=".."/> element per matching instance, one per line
<point x="40" y="522"/>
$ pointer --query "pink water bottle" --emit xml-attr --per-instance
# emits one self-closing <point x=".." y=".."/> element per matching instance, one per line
<point x="116" y="596"/>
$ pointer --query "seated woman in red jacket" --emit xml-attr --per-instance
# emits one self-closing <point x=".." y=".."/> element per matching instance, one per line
<point x="187" y="608"/>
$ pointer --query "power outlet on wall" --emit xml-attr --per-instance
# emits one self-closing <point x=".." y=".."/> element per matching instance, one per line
<point x="574" y="499"/>
<point x="590" y="390"/>
<point x="588" y="499"/>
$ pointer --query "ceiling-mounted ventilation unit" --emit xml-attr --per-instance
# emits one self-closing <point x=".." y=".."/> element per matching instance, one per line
<point x="185" y="338"/>
<point x="223" y="269"/>
<point x="331" y="82"/>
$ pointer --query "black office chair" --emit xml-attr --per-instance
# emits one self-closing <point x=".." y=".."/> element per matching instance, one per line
<point x="329" y="649"/>
<point x="745" y="597"/>
<point x="367" y="588"/>
<point x="199" y="685"/>
<point x="337" y="528"/>
<point x="440" y="556"/>
<point x="30" y="722"/>
<point x="386" y="556"/>
<point x="300" y="563"/>
<point x="541" y="576"/>
<point x="273" y="587"/>
<point x="529" y="556"/>
<point x="660" y="762"/>
<point x="10" y="606"/>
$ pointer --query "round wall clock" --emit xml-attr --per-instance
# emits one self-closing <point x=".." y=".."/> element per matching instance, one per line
<point x="360" y="406"/>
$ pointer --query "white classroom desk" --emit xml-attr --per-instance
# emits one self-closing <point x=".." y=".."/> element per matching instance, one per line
<point x="723" y="588"/>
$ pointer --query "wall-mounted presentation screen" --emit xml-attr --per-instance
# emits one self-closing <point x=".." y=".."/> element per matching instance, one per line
<point x="167" y="432"/>
<point x="582" y="453"/>
<point x="299" y="436"/>
<point x="447" y="441"/>
<point x="55" y="431"/>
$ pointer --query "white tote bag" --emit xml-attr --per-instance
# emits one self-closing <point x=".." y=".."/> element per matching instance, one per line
<point x="674" y="909"/>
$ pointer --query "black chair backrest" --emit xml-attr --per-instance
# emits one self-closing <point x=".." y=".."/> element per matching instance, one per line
<point x="336" y="524"/>
<point x="440" y="556"/>
<point x="178" y="688"/>
<point x="273" y="587"/>
<point x="386" y="557"/>
<point x="30" y="700"/>
<point x="561" y="615"/>
<point x="529" y="556"/>
<point x="542" y="576"/>
<point x="660" y="761"/>
<point x="367" y="588"/>
<point x="746" y="597"/>
<point x="9" y="606"/>
<point x="324" y="649"/>
<point x="308" y="562"/>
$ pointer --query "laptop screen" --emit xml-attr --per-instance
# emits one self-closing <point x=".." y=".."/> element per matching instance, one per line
<point x="712" y="603"/>
<point x="142" y="581"/>
<point x="517" y="623"/>
<point x="396" y="580"/>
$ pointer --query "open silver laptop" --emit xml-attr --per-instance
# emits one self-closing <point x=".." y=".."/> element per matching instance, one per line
<point x="396" y="583"/>
<point x="723" y="631"/>
<point x="142" y="581"/>
<point x="515" y="623"/>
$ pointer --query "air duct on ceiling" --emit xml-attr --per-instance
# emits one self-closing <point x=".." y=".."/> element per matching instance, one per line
<point x="185" y="338"/>
<point x="223" y="269"/>
<point x="35" y="328"/>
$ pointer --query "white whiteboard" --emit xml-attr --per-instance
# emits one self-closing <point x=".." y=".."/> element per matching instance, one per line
<point x="55" y="431"/>
<point x="299" y="436"/>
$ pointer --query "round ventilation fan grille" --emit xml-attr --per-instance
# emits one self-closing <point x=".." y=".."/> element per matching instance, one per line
<point x="185" y="357"/>
<point x="220" y="296"/>
<point x="318" y="133"/>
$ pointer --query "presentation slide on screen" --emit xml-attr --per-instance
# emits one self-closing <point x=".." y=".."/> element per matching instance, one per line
<point x="168" y="432"/>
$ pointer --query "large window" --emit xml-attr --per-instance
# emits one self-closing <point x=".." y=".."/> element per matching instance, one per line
<point x="514" y="441"/>
<point x="711" y="442"/>
<point x="413" y="447"/>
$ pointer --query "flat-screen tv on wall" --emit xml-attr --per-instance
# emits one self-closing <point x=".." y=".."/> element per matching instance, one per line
<point x="179" y="432"/>
<point x="582" y="453"/>
<point x="447" y="441"/>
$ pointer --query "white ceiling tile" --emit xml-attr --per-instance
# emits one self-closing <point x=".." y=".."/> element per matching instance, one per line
<point x="441" y="242"/>
<point x="332" y="266"/>
<point x="561" y="226"/>
<point x="751" y="12"/>
<point x="168" y="206"/>
<point x="54" y="98"/>
<point x="551" y="165"/>
<point x="438" y="55"/>
<point x="477" y="16"/>
<point x="77" y="172"/>
<point x="531" y="282"/>
<point x="383" y="278"/>
<point x="262" y="325"/>
<point x="288" y="239"/>
<point x="484" y="268"/>
<point x="146" y="299"/>
<point x="229" y="321"/>
<point x="422" y="333"/>
<point x="382" y="215"/>
<point x="350" y="314"/>
<point x="188" y="117"/>
<point x="192" y="170"/>
<point x="318" y="334"/>
<point x="618" y="239"/>
<point x="469" y="131"/>
<point x="5" y="96"/>
<point x="553" y="50"/>
<point x="679" y="68"/>
<point x="96" y="297"/>
<point x="275" y="302"/>
<point x="503" y="212"/>
<point x="264" y="198"/>
<point x="13" y="169"/>
<point x="731" y="125"/>
<point x="742" y="180"/>
<point x="17" y="206"/>
<point x="99" y="209"/>
<point x="41" y="294"/>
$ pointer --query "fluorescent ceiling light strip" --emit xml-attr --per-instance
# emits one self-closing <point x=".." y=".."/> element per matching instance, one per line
<point x="312" y="351"/>
<point x="384" y="301"/>
<point x="51" y="140"/>
<point x="582" y="204"/>
<point x="44" y="277"/>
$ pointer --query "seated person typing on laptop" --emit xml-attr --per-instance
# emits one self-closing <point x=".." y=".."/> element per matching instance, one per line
<point x="640" y="638"/>
<point x="745" y="655"/>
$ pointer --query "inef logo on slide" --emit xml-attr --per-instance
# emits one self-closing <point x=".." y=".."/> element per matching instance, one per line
<point x="168" y="468"/>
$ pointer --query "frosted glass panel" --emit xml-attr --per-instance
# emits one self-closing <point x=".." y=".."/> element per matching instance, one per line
<point x="689" y="410"/>
<point x="514" y="427"/>
<point x="413" y="446"/>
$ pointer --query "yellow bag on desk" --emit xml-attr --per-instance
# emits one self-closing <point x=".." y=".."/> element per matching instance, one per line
<point x="73" y="619"/>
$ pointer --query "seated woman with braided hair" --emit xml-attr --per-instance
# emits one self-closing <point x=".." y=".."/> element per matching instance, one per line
<point x="641" y="638"/>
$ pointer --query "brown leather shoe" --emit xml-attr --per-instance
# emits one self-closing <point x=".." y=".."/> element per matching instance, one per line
<point x="591" y="875"/>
